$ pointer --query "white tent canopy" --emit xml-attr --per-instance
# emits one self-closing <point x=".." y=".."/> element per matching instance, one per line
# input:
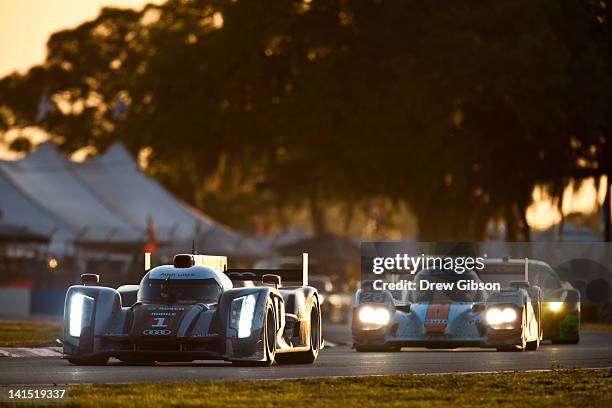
<point x="104" y="199"/>
<point x="117" y="182"/>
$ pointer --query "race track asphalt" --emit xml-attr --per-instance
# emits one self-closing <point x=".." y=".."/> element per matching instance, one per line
<point x="594" y="351"/>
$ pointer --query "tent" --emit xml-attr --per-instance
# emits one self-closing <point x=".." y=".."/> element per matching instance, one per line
<point x="105" y="203"/>
<point x="45" y="180"/>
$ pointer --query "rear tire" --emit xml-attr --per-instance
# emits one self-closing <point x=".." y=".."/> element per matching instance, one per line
<point x="532" y="345"/>
<point x="310" y="356"/>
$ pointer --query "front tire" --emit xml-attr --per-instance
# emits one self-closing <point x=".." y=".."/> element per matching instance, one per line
<point x="532" y="345"/>
<point x="535" y="344"/>
<point x="269" y="341"/>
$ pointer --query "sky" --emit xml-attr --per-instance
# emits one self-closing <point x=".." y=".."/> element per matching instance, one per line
<point x="25" y="26"/>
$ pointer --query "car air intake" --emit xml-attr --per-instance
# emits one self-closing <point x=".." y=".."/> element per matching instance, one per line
<point x="183" y="261"/>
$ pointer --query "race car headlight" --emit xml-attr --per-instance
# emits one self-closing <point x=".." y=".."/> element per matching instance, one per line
<point x="377" y="315"/>
<point x="241" y="314"/>
<point x="76" y="315"/>
<point x="81" y="308"/>
<point x="497" y="316"/>
<point x="555" y="306"/>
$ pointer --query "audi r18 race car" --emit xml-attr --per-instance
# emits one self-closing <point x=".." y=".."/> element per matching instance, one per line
<point x="455" y="310"/>
<point x="190" y="311"/>
<point x="560" y="300"/>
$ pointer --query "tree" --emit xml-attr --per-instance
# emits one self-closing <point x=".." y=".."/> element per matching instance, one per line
<point x="458" y="108"/>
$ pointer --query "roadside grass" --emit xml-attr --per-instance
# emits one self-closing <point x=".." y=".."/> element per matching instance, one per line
<point x="29" y="334"/>
<point x="563" y="388"/>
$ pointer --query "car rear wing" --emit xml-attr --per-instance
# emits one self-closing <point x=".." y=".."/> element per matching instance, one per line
<point x="214" y="262"/>
<point x="253" y="274"/>
<point x="513" y="272"/>
<point x="219" y="264"/>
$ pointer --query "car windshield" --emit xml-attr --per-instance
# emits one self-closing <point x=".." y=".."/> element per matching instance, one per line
<point x="180" y="290"/>
<point x="452" y="291"/>
<point x="544" y="277"/>
<point x="539" y="275"/>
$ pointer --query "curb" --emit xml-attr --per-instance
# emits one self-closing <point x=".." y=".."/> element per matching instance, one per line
<point x="30" y="351"/>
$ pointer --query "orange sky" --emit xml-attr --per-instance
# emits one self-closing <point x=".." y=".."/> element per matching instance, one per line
<point x="25" y="26"/>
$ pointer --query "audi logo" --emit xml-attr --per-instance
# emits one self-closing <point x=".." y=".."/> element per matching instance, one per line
<point x="156" y="332"/>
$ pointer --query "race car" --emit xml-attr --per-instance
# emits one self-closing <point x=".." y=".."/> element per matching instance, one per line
<point x="560" y="301"/>
<point x="190" y="311"/>
<point x="450" y="315"/>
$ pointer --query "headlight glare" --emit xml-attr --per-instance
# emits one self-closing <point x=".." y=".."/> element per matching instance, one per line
<point x="508" y="315"/>
<point x="241" y="314"/>
<point x="555" y="306"/>
<point x="496" y="316"/>
<point x="374" y="315"/>
<point x="76" y="315"/>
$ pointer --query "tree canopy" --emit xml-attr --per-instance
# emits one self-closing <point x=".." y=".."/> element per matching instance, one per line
<point x="457" y="108"/>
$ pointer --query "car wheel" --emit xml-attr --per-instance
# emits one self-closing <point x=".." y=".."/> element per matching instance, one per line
<point x="88" y="360"/>
<point x="532" y="345"/>
<point x="270" y="336"/>
<point x="535" y="344"/>
<point x="316" y="336"/>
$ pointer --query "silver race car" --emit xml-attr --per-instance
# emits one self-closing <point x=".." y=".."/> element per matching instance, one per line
<point x="560" y="300"/>
<point x="453" y="316"/>
<point x="190" y="311"/>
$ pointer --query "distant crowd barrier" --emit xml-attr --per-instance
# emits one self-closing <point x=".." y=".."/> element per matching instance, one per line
<point x="18" y="301"/>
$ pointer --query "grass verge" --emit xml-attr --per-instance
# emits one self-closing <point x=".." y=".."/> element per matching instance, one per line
<point x="29" y="334"/>
<point x="565" y="388"/>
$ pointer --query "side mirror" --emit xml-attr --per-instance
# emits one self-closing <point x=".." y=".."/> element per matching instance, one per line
<point x="90" y="279"/>
<point x="403" y="308"/>
<point x="519" y="284"/>
<point x="478" y="307"/>
<point x="271" y="279"/>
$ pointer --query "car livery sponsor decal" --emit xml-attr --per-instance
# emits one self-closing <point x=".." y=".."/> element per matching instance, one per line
<point x="436" y="318"/>
<point x="157" y="320"/>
